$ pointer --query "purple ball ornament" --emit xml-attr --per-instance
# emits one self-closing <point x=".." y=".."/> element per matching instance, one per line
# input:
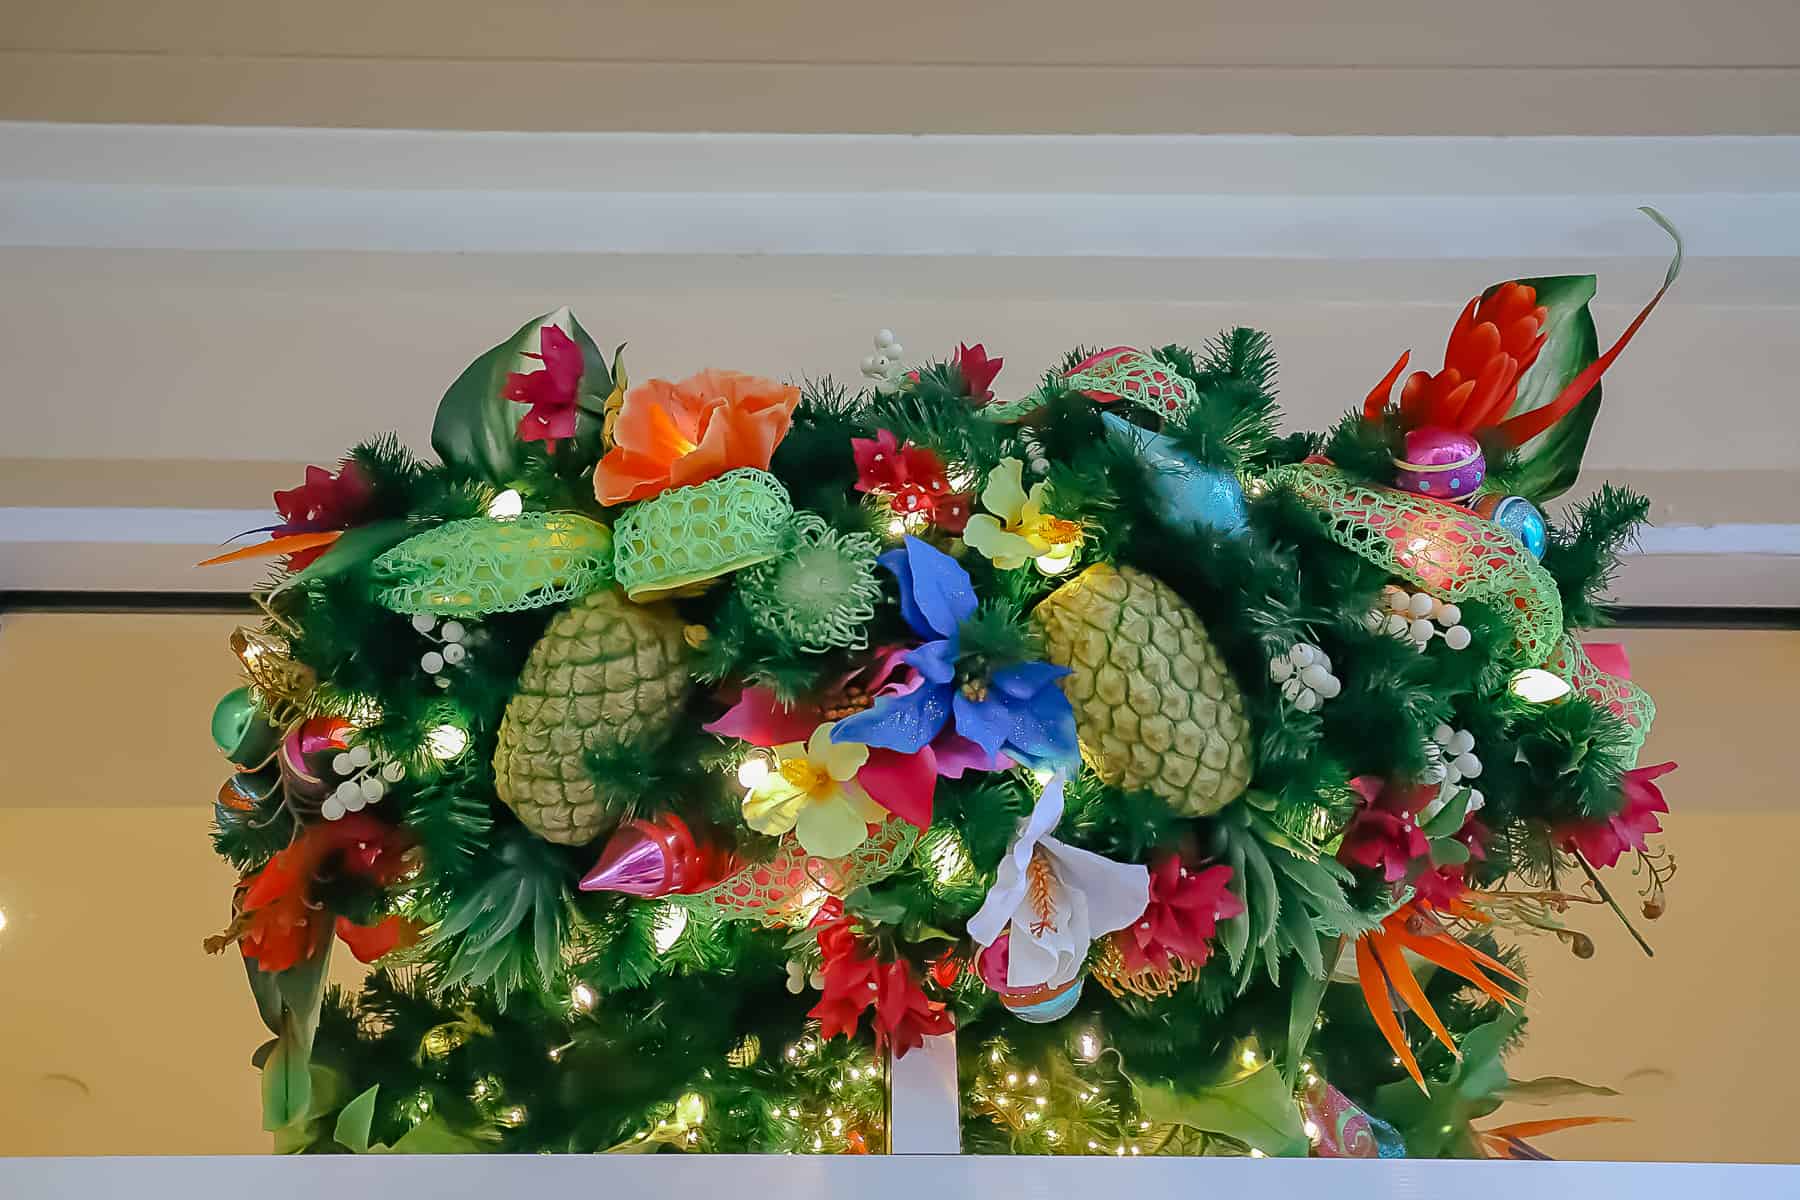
<point x="1441" y="463"/>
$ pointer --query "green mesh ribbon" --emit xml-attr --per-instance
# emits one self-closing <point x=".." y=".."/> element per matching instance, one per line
<point x="1135" y="376"/>
<point x="1445" y="550"/>
<point x="479" y="565"/>
<point x="693" y="534"/>
<point x="1623" y="698"/>
<point x="821" y="594"/>
<point x="788" y="889"/>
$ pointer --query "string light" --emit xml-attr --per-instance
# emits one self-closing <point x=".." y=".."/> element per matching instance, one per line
<point x="447" y="741"/>
<point x="670" y="921"/>
<point x="1538" y="686"/>
<point x="1055" y="564"/>
<point x="753" y="770"/>
<point x="582" y="998"/>
<point x="1249" y="1058"/>
<point x="506" y="505"/>
<point x="1311" y="1130"/>
<point x="2" y="918"/>
<point x="512" y="1117"/>
<point x="1087" y="1047"/>
<point x="1255" y="1153"/>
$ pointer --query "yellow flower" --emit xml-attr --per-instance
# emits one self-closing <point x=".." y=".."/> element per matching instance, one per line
<point x="813" y="791"/>
<point x="1019" y="528"/>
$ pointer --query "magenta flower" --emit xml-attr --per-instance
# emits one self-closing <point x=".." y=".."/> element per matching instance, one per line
<point x="1384" y="834"/>
<point x="551" y="392"/>
<point x="1605" y="841"/>
<point x="1181" y="918"/>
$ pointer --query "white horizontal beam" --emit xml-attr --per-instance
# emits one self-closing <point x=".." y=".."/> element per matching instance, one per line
<point x="53" y="548"/>
<point x="1354" y="199"/>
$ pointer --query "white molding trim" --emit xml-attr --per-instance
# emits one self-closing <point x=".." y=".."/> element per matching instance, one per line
<point x="944" y="1177"/>
<point x="205" y="188"/>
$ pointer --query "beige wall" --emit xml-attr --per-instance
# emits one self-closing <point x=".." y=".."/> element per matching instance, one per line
<point x="121" y="1037"/>
<point x="1285" y="66"/>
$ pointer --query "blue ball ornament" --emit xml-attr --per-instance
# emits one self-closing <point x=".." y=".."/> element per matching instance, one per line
<point x="1519" y="517"/>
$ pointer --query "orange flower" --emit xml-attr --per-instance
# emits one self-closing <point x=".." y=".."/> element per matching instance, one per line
<point x="672" y="435"/>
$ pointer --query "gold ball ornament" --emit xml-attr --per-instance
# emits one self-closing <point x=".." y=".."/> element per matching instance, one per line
<point x="1155" y="707"/>
<point x="606" y="673"/>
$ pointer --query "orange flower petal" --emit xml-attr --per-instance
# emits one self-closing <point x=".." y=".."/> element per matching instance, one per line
<point x="678" y="434"/>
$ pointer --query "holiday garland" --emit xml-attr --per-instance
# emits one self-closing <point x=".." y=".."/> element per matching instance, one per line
<point x="679" y="750"/>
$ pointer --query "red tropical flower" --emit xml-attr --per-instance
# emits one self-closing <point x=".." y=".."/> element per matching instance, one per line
<point x="1492" y="344"/>
<point x="855" y="980"/>
<point x="1181" y="918"/>
<point x="321" y="504"/>
<point x="911" y="476"/>
<point x="1385" y="831"/>
<point x="978" y="371"/>
<point x="370" y="942"/>
<point x="551" y="392"/>
<point x="279" y="925"/>
<point x="1605" y="841"/>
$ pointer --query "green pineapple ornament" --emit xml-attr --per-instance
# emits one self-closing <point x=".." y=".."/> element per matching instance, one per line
<point x="607" y="672"/>
<point x="1154" y="705"/>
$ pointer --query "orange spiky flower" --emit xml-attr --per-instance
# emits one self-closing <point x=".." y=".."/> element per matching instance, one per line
<point x="1508" y="1141"/>
<point x="1493" y="343"/>
<point x="1382" y="970"/>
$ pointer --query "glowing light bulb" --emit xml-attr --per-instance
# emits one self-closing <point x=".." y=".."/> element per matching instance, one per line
<point x="753" y="770"/>
<point x="447" y="741"/>
<point x="1249" y="1058"/>
<point x="1254" y="1153"/>
<point x="506" y="505"/>
<point x="1538" y="686"/>
<point x="1311" y="1130"/>
<point x="583" y="997"/>
<point x="1087" y="1047"/>
<point x="2" y="918"/>
<point x="669" y="924"/>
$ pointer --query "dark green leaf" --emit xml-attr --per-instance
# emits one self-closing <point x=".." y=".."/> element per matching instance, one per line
<point x="476" y="428"/>
<point x="1548" y="463"/>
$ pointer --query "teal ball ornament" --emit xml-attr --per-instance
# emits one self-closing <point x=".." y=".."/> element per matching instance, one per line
<point x="241" y="732"/>
<point x="1519" y="517"/>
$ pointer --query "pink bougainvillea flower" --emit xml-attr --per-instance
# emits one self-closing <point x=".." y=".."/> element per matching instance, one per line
<point x="1385" y="831"/>
<point x="978" y="371"/>
<point x="672" y="435"/>
<point x="1605" y="841"/>
<point x="551" y="392"/>
<point x="911" y="476"/>
<point x="1181" y="918"/>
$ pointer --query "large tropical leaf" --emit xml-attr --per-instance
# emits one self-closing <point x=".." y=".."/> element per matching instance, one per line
<point x="476" y="428"/>
<point x="289" y="1003"/>
<point x="1549" y="462"/>
<point x="1256" y="1107"/>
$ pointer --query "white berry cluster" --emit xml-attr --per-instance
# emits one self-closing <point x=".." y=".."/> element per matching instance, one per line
<point x="798" y="980"/>
<point x="883" y="367"/>
<point x="1304" y="674"/>
<point x="1449" y="761"/>
<point x="452" y="642"/>
<point x="1411" y="616"/>
<point x="364" y="781"/>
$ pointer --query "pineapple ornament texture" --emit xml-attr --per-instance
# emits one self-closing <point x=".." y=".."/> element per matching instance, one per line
<point x="1154" y="705"/>
<point x="607" y="672"/>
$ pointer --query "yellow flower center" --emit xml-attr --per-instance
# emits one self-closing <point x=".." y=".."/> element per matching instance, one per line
<point x="1059" y="532"/>
<point x="809" y="777"/>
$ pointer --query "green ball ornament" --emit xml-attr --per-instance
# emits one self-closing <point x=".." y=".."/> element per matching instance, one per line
<point x="240" y="731"/>
<point x="474" y="567"/>
<point x="821" y="594"/>
<point x="691" y="535"/>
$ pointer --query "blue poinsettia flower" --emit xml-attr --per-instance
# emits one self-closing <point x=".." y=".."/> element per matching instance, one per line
<point x="1017" y="710"/>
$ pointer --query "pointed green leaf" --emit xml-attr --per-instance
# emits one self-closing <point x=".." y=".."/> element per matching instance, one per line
<point x="433" y="1135"/>
<point x="1549" y="462"/>
<point x="1257" y="1108"/>
<point x="354" y="1122"/>
<point x="355" y="549"/>
<point x="1448" y="852"/>
<point x="1450" y="818"/>
<point x="1549" y="1089"/>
